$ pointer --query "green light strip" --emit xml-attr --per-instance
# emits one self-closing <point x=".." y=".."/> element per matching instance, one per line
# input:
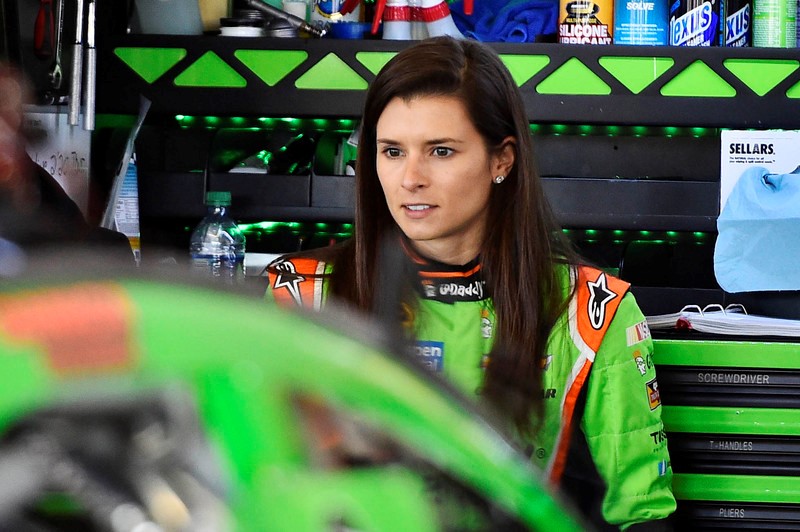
<point x="622" y="131"/>
<point x="619" y="235"/>
<point x="269" y="225"/>
<point x="272" y="227"/>
<point x="269" y="123"/>
<point x="345" y="230"/>
<point x="348" y="125"/>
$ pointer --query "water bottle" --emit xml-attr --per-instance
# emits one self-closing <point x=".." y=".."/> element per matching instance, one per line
<point x="217" y="244"/>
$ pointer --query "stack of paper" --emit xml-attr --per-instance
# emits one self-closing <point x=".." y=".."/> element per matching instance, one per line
<point x="732" y="320"/>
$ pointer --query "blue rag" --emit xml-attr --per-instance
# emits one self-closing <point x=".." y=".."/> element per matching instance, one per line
<point x="507" y="21"/>
<point x="758" y="248"/>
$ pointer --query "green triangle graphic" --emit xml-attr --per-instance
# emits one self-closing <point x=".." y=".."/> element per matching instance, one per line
<point x="150" y="63"/>
<point x="698" y="80"/>
<point x="524" y="67"/>
<point x="331" y="73"/>
<point x="794" y="92"/>
<point x="271" y="65"/>
<point x="759" y="74"/>
<point x="636" y="73"/>
<point x="573" y="77"/>
<point x="210" y="71"/>
<point x="374" y="61"/>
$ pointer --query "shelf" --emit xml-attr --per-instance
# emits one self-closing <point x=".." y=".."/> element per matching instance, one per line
<point x="254" y="196"/>
<point x="616" y="203"/>
<point x="672" y="86"/>
<point x="629" y="204"/>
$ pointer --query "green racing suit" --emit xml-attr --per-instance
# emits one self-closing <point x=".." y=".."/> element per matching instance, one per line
<point x="601" y="439"/>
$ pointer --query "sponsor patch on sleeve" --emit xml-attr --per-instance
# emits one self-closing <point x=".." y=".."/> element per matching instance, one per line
<point x="653" y="395"/>
<point x="637" y="333"/>
<point x="641" y="365"/>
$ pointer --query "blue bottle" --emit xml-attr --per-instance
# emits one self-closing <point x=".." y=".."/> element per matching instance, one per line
<point x="217" y="244"/>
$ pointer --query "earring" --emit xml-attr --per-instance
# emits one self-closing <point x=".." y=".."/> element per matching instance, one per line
<point x="499" y="179"/>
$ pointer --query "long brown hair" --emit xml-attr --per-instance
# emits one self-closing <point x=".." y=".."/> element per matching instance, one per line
<point x="522" y="241"/>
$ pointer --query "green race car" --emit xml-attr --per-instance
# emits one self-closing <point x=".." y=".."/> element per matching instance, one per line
<point x="137" y="403"/>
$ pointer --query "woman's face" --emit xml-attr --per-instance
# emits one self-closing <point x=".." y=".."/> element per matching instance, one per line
<point x="437" y="173"/>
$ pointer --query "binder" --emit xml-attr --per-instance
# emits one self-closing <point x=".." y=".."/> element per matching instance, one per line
<point x="732" y="319"/>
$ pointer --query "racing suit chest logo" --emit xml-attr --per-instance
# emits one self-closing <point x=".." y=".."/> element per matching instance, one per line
<point x="289" y="279"/>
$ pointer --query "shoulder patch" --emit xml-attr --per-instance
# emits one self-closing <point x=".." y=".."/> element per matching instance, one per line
<point x="599" y="296"/>
<point x="636" y="333"/>
<point x="297" y="280"/>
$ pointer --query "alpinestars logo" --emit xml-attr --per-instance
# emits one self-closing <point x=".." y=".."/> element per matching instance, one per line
<point x="599" y="298"/>
<point x="289" y="279"/>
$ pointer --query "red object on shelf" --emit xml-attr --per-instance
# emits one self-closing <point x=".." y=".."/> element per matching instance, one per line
<point x="44" y="30"/>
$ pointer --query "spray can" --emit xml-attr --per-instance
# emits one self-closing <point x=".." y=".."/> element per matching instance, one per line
<point x="696" y="23"/>
<point x="738" y="23"/>
<point x="586" y="21"/>
<point x="642" y="22"/>
<point x="775" y="23"/>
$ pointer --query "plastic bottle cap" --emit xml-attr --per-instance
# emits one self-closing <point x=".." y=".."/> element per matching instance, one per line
<point x="218" y="197"/>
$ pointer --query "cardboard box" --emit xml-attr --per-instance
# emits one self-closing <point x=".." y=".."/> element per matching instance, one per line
<point x="775" y="150"/>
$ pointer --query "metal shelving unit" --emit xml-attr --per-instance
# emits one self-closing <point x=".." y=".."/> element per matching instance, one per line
<point x="644" y="121"/>
<point x="617" y="85"/>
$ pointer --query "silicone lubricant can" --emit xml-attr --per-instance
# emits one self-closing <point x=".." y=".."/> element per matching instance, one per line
<point x="696" y="23"/>
<point x="774" y="23"/>
<point x="642" y="22"/>
<point x="738" y="23"/>
<point x="586" y="22"/>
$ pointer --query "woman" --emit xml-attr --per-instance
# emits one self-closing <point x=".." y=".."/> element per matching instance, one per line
<point x="500" y="304"/>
